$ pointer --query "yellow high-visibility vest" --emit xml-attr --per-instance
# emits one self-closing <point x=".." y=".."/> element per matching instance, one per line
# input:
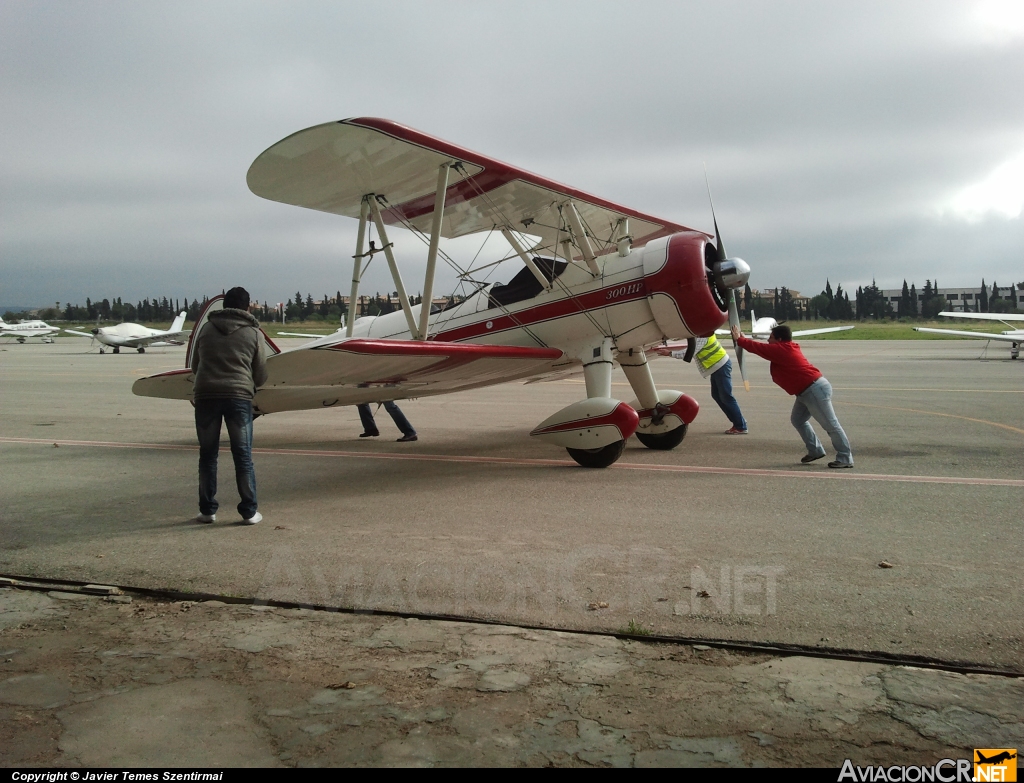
<point x="711" y="354"/>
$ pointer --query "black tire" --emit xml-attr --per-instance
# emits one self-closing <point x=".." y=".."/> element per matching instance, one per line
<point x="666" y="441"/>
<point x="598" y="458"/>
<point x="142" y="350"/>
<point x="117" y="349"/>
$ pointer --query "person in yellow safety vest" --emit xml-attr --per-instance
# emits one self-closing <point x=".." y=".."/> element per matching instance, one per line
<point x="713" y="362"/>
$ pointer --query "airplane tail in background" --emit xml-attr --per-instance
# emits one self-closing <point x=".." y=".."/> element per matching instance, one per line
<point x="178" y="322"/>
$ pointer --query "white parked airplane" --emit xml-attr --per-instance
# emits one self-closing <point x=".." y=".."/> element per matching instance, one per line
<point x="137" y="336"/>
<point x="600" y="285"/>
<point x="24" y="330"/>
<point x="1014" y="336"/>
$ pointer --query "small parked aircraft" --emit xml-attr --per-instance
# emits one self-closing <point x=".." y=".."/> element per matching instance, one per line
<point x="137" y="336"/>
<point x="600" y="285"/>
<point x="1014" y="336"/>
<point x="25" y="330"/>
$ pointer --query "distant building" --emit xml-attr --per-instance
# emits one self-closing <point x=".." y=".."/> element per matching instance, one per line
<point x="957" y="299"/>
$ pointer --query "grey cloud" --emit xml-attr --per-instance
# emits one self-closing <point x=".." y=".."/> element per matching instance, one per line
<point x="830" y="132"/>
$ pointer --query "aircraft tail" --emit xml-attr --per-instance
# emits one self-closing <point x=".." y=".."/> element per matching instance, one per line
<point x="178" y="322"/>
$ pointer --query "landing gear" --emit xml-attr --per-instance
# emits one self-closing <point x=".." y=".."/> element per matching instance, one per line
<point x="22" y="340"/>
<point x="117" y="349"/>
<point x="598" y="458"/>
<point x="102" y="351"/>
<point x="1014" y="350"/>
<point x="142" y="350"/>
<point x="665" y="441"/>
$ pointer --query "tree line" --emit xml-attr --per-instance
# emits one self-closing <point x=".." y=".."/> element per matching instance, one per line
<point x="158" y="309"/>
<point x="868" y="303"/>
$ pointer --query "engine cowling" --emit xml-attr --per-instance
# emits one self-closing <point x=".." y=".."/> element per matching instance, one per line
<point x="681" y="287"/>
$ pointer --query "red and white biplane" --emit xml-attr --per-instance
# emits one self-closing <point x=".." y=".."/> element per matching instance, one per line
<point x="601" y="284"/>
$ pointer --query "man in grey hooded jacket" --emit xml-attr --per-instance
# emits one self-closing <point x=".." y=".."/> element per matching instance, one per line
<point x="229" y="363"/>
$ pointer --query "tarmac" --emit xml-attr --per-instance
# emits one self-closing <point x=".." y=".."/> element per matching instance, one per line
<point x="913" y="555"/>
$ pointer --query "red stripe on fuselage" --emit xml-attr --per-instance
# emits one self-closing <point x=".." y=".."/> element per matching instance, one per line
<point x="549" y="311"/>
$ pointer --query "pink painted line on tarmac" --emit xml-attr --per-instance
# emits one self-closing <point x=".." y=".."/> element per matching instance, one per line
<point x="811" y="473"/>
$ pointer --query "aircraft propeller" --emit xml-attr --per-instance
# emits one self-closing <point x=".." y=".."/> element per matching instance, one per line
<point x="729" y="274"/>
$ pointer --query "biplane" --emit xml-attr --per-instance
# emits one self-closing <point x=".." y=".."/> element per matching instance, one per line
<point x="600" y="285"/>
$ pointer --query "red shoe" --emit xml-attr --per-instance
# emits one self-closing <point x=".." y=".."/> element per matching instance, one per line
<point x="735" y="431"/>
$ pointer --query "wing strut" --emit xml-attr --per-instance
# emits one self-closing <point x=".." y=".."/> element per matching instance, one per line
<point x="435" y="236"/>
<point x="403" y="298"/>
<point x="510" y="238"/>
<point x="581" y="237"/>
<point x="353" y="301"/>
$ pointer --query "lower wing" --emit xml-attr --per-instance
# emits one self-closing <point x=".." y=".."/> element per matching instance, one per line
<point x="175" y="338"/>
<point x="352" y="371"/>
<point x="805" y="332"/>
<point x="1008" y="338"/>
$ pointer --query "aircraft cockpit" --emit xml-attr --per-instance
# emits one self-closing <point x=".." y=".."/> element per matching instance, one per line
<point x="524" y="285"/>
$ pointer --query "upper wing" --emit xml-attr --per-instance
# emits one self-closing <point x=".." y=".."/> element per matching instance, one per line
<point x="352" y="371"/>
<point x="979" y="335"/>
<point x="331" y="167"/>
<point x="986" y="316"/>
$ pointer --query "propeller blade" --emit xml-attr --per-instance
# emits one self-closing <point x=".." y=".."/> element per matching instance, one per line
<point x="721" y="276"/>
<point x="734" y="320"/>
<point x="719" y="245"/>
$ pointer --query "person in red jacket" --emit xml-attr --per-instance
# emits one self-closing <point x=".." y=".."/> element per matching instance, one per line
<point x="797" y="376"/>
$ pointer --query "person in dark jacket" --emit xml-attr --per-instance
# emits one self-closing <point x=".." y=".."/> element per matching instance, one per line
<point x="229" y="363"/>
<point x="797" y="376"/>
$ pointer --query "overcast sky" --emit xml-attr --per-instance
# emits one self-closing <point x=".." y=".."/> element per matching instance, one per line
<point x="843" y="140"/>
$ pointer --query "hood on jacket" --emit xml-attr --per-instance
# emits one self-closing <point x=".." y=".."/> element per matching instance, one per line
<point x="230" y="320"/>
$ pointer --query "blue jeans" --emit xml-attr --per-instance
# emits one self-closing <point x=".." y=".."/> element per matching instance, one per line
<point x="237" y="415"/>
<point x="369" y="425"/>
<point x="816" y="401"/>
<point x="721" y="392"/>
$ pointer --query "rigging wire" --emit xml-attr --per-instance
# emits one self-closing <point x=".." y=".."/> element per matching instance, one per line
<point x="408" y="224"/>
<point x="556" y="280"/>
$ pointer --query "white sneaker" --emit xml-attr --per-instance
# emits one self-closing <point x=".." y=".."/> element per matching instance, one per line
<point x="207" y="518"/>
<point x="254" y="519"/>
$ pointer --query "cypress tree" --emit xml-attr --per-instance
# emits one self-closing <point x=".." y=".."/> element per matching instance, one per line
<point x="983" y="297"/>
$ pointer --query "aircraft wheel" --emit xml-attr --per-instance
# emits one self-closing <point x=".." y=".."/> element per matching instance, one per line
<point x="666" y="441"/>
<point x="117" y="349"/>
<point x="102" y="351"/>
<point x="142" y="350"/>
<point x="598" y="458"/>
<point x="21" y="340"/>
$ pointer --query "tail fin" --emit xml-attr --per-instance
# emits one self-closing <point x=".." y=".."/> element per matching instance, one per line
<point x="178" y="322"/>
